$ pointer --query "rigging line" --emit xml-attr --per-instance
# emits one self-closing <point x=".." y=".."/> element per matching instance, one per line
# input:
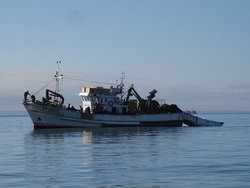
<point x="61" y="86"/>
<point x="90" y="81"/>
<point x="44" y="86"/>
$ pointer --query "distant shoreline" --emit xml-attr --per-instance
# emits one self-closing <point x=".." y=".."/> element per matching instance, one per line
<point x="224" y="112"/>
<point x="10" y="113"/>
<point x="13" y="113"/>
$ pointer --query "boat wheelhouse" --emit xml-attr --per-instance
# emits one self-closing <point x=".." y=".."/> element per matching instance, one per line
<point x="103" y="100"/>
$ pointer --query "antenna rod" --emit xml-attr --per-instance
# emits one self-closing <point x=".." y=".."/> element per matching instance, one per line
<point x="58" y="64"/>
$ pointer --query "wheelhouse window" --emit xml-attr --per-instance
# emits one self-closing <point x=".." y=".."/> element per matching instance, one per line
<point x="85" y="98"/>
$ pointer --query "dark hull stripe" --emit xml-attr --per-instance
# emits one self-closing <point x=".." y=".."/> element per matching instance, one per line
<point x="142" y="124"/>
<point x="46" y="126"/>
<point x="160" y="123"/>
<point x="190" y="123"/>
<point x="146" y="125"/>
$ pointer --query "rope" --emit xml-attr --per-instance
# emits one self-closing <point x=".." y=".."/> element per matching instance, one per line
<point x="90" y="81"/>
<point x="44" y="86"/>
<point x="76" y="79"/>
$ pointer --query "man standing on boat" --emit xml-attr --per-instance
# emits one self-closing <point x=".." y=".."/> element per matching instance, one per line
<point x="26" y="93"/>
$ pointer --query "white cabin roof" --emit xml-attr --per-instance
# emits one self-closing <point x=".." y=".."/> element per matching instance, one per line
<point x="97" y="91"/>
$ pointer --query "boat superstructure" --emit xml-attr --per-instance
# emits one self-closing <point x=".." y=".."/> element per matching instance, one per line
<point x="104" y="100"/>
<point x="103" y="107"/>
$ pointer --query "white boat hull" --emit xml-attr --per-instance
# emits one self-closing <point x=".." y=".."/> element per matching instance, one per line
<point x="44" y="116"/>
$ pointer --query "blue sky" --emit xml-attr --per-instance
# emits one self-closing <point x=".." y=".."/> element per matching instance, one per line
<point x="194" y="53"/>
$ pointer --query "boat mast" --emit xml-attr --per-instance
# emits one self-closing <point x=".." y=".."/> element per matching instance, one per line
<point x="58" y="77"/>
<point x="121" y="85"/>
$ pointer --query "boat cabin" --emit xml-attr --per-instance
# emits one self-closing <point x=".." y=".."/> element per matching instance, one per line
<point x="103" y="100"/>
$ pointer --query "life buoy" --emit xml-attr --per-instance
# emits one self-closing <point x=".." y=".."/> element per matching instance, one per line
<point x="110" y="103"/>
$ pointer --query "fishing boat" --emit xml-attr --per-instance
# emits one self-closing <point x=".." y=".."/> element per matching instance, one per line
<point x="106" y="107"/>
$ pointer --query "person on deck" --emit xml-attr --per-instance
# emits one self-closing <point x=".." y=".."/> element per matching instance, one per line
<point x="26" y="93"/>
<point x="68" y="108"/>
<point x="81" y="109"/>
<point x="33" y="98"/>
<point x="73" y="108"/>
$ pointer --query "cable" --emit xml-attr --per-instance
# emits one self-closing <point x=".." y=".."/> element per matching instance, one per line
<point x="44" y="86"/>
<point x="90" y="81"/>
<point x="76" y="79"/>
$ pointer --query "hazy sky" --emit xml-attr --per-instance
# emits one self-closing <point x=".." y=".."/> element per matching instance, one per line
<point x="194" y="53"/>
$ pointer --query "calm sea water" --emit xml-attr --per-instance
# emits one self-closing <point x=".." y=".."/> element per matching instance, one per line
<point x="126" y="157"/>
